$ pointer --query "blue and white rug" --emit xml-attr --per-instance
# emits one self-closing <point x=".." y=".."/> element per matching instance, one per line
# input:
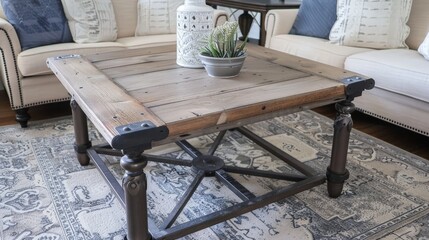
<point x="46" y="194"/>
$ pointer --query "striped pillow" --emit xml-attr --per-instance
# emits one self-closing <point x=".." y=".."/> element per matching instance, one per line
<point x="91" y="20"/>
<point x="157" y="16"/>
<point x="372" y="24"/>
<point x="315" y="18"/>
<point x="424" y="48"/>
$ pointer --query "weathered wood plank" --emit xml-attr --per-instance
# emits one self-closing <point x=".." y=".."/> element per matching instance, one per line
<point x="203" y="112"/>
<point x="140" y="68"/>
<point x="233" y="124"/>
<point x="105" y="104"/>
<point x="298" y="63"/>
<point x="131" y="61"/>
<point x="94" y="58"/>
<point x="150" y="78"/>
<point x="172" y="86"/>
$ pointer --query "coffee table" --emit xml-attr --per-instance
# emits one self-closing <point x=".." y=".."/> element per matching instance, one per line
<point x="138" y="99"/>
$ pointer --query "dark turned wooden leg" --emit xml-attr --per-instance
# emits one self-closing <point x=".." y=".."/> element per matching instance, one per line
<point x="22" y="117"/>
<point x="135" y="186"/>
<point x="81" y="133"/>
<point x="245" y="23"/>
<point x="337" y="173"/>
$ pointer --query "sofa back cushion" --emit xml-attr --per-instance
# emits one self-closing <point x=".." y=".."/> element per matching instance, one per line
<point x="91" y="20"/>
<point x="126" y="17"/>
<point x="157" y="16"/>
<point x="315" y="18"/>
<point x="424" y="48"/>
<point x="418" y="22"/>
<point x="372" y="24"/>
<point x="37" y="22"/>
<point x="2" y="13"/>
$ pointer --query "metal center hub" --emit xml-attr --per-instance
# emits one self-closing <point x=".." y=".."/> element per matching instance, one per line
<point x="208" y="163"/>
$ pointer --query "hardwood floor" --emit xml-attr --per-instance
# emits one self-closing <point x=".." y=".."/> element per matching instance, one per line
<point x="400" y="137"/>
<point x="395" y="135"/>
<point x="7" y="116"/>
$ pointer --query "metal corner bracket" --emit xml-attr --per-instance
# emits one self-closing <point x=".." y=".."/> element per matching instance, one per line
<point x="355" y="85"/>
<point x="138" y="135"/>
<point x="67" y="56"/>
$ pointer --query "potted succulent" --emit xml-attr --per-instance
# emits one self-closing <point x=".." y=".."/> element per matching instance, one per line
<point x="222" y="55"/>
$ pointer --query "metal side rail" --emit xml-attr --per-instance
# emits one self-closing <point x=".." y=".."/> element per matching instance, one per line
<point x="208" y="165"/>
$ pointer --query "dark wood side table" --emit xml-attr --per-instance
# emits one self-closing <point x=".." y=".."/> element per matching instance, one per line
<point x="261" y="6"/>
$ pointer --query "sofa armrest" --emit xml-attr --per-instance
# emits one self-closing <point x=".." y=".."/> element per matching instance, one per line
<point x="278" y="22"/>
<point x="219" y="17"/>
<point x="9" y="72"/>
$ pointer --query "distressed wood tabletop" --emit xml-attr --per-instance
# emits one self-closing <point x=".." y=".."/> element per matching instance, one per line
<point x="123" y="87"/>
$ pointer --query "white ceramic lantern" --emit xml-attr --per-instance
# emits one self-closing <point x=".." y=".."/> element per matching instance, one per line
<point x="194" y="24"/>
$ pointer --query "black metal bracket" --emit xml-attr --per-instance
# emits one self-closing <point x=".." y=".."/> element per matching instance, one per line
<point x="337" y="178"/>
<point x="138" y="135"/>
<point x="67" y="56"/>
<point x="82" y="148"/>
<point x="355" y="85"/>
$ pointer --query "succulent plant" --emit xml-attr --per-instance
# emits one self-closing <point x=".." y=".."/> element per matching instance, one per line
<point x="223" y="42"/>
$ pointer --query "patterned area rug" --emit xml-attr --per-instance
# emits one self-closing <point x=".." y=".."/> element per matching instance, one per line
<point x="46" y="194"/>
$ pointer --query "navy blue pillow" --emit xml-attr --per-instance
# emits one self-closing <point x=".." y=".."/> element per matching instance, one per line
<point x="37" y="22"/>
<point x="315" y="18"/>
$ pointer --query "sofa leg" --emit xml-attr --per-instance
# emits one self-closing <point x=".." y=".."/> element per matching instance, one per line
<point x="22" y="117"/>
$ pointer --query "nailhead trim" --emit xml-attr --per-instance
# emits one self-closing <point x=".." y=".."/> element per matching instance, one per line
<point x="16" y="69"/>
<point x="41" y="103"/>
<point x="393" y="121"/>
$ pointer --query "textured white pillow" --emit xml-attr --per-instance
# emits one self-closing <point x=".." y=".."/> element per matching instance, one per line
<point x="91" y="20"/>
<point x="157" y="16"/>
<point x="371" y="24"/>
<point x="424" y="47"/>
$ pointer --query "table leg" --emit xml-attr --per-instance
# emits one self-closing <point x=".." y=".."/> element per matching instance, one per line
<point x="82" y="142"/>
<point x="135" y="186"/>
<point x="245" y="23"/>
<point x="262" y="30"/>
<point x="337" y="172"/>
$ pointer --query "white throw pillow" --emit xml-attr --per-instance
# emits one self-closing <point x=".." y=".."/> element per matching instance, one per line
<point x="157" y="16"/>
<point x="424" y="47"/>
<point x="371" y="24"/>
<point x="91" y="20"/>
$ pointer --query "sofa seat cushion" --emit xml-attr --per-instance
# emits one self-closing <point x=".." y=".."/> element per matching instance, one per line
<point x="397" y="70"/>
<point x="33" y="61"/>
<point x="316" y="49"/>
<point x="147" y="41"/>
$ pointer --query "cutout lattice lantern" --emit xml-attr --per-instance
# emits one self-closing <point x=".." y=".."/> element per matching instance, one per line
<point x="194" y="24"/>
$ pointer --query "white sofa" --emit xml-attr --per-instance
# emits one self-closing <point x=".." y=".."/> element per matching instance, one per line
<point x="25" y="76"/>
<point x="401" y="93"/>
